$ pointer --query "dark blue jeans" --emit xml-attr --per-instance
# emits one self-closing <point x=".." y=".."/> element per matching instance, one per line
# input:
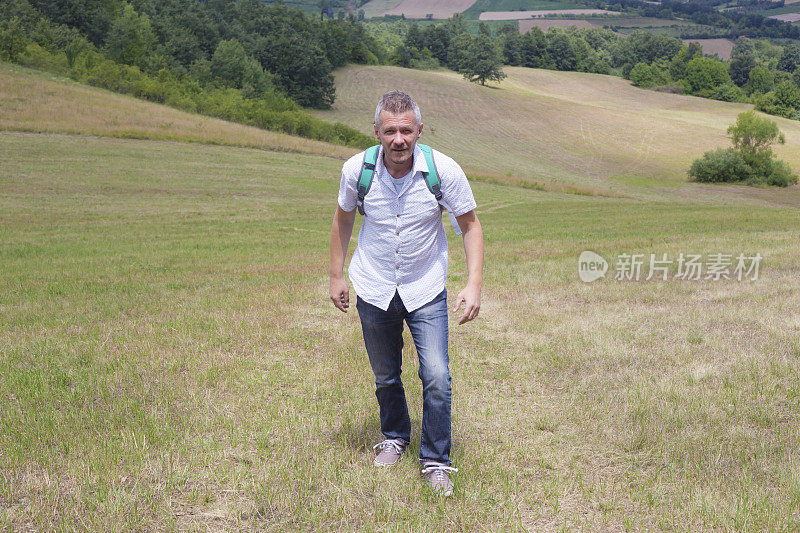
<point x="383" y="338"/>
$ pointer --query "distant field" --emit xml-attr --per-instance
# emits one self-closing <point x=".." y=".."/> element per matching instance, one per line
<point x="377" y="8"/>
<point x="545" y="24"/>
<point x="789" y="7"/>
<point x="721" y="47"/>
<point x="647" y="22"/>
<point x="520" y="15"/>
<point x="440" y="9"/>
<point x="787" y="17"/>
<point x="619" y="22"/>
<point x="567" y="127"/>
<point x="32" y="101"/>
<point x="481" y="6"/>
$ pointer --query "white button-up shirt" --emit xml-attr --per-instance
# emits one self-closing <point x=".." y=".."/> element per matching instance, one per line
<point x="402" y="244"/>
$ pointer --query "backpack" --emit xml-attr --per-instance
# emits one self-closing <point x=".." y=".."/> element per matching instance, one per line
<point x="431" y="178"/>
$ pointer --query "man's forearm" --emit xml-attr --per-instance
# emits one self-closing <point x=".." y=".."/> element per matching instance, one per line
<point x="473" y="248"/>
<point x="341" y="230"/>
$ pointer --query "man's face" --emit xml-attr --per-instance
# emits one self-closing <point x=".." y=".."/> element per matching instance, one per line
<point x="398" y="135"/>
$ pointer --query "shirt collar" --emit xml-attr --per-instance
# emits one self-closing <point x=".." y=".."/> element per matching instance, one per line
<point x="420" y="164"/>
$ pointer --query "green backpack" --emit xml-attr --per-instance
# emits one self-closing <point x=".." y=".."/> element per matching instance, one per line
<point x="368" y="170"/>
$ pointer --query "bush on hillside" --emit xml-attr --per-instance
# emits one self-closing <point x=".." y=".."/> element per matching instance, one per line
<point x="750" y="161"/>
<point x="720" y="165"/>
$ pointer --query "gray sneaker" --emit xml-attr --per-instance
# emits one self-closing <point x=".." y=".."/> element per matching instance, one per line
<point x="436" y="476"/>
<point x="389" y="452"/>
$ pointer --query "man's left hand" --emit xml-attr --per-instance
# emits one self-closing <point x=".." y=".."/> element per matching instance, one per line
<point x="471" y="297"/>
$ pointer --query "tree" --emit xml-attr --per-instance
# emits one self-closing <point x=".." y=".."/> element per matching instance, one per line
<point x="231" y="64"/>
<point x="483" y="61"/>
<point x="760" y="80"/>
<point x="130" y="38"/>
<point x="12" y="39"/>
<point x="561" y="50"/>
<point x="704" y="74"/>
<point x="533" y="49"/>
<point x="790" y="58"/>
<point x="754" y="136"/>
<point x="740" y="67"/>
<point x="641" y="75"/>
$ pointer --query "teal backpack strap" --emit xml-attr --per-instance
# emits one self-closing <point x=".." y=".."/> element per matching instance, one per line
<point x="432" y="176"/>
<point x="434" y="185"/>
<point x="367" y="171"/>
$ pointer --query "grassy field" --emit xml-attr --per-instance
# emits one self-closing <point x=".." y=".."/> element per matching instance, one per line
<point x="566" y="127"/>
<point x="170" y="359"/>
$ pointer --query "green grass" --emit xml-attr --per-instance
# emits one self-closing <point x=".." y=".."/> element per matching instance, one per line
<point x="171" y="359"/>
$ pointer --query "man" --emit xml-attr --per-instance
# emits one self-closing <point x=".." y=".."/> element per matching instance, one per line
<point x="398" y="270"/>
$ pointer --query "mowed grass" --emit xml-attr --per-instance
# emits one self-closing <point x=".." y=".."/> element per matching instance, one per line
<point x="567" y="127"/>
<point x="170" y="358"/>
<point x="32" y="101"/>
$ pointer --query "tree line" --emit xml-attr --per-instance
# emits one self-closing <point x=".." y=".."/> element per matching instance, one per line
<point x="271" y="45"/>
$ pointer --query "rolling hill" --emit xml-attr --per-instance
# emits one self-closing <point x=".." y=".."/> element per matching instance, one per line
<point x="573" y="128"/>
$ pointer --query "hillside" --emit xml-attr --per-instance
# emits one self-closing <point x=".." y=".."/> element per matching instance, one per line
<point x="568" y="127"/>
<point x="37" y="102"/>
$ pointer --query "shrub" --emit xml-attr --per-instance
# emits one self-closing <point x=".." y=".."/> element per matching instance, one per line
<point x="728" y="93"/>
<point x="721" y="165"/>
<point x="641" y="75"/>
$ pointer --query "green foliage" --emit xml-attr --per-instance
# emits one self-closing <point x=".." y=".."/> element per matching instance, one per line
<point x="760" y="80"/>
<point x="783" y="101"/>
<point x="721" y="165"/>
<point x="12" y="39"/>
<point x="728" y="93"/>
<point x="678" y="62"/>
<point x="740" y="68"/>
<point x="641" y="75"/>
<point x="790" y="58"/>
<point x="130" y="39"/>
<point x="787" y="98"/>
<point x="483" y="61"/>
<point x="704" y="75"/>
<point x="231" y="64"/>
<point x="751" y="159"/>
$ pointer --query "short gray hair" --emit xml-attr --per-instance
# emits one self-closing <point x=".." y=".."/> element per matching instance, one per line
<point x="397" y="103"/>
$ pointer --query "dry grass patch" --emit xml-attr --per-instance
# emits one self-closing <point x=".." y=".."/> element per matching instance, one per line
<point x="721" y="47"/>
<point x="35" y="102"/>
<point x="440" y="9"/>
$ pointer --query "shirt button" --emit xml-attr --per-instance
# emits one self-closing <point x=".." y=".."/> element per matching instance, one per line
<point x="397" y="251"/>
<point x="397" y="267"/>
<point x="398" y="233"/>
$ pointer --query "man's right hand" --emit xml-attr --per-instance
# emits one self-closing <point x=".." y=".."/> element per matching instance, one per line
<point x="340" y="294"/>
